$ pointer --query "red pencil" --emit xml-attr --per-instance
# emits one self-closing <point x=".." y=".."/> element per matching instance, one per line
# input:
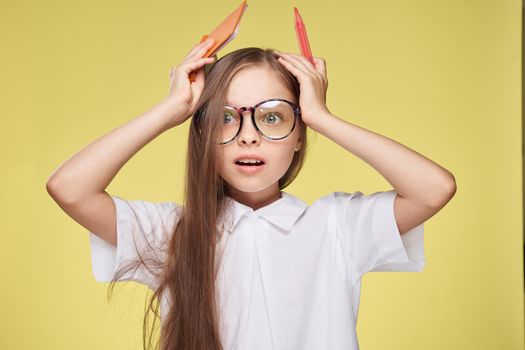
<point x="302" y="37"/>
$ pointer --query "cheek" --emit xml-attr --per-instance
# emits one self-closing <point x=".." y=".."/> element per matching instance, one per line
<point x="284" y="152"/>
<point x="282" y="156"/>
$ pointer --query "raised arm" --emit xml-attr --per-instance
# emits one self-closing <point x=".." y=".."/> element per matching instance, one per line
<point x="79" y="184"/>
<point x="423" y="187"/>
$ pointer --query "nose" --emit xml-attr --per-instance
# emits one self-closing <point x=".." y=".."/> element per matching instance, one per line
<point x="248" y="133"/>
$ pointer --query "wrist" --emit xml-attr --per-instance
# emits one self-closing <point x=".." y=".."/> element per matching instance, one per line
<point x="175" y="114"/>
<point x="320" y="121"/>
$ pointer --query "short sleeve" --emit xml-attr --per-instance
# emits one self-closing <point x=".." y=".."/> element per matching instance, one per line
<point x="370" y="235"/>
<point x="142" y="228"/>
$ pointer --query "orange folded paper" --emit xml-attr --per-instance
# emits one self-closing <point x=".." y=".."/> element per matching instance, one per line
<point x="224" y="33"/>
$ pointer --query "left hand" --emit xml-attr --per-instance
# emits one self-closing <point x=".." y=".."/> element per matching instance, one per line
<point x="313" y="85"/>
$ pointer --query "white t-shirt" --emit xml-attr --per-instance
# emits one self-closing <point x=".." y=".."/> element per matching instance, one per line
<point x="290" y="276"/>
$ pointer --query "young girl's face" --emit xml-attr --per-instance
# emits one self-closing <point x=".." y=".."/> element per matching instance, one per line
<point x="248" y="87"/>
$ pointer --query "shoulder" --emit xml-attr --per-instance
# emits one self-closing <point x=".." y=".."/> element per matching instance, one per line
<point x="343" y="204"/>
<point x="323" y="207"/>
<point x="354" y="204"/>
<point x="356" y="198"/>
<point x="336" y="198"/>
<point x="332" y="199"/>
<point x="152" y="219"/>
<point x="146" y="208"/>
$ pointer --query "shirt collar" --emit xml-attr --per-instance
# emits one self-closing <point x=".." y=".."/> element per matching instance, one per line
<point x="283" y="212"/>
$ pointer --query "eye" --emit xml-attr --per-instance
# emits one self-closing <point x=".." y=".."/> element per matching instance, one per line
<point x="272" y="118"/>
<point x="228" y="118"/>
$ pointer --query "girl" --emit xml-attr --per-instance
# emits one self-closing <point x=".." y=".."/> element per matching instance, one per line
<point x="242" y="264"/>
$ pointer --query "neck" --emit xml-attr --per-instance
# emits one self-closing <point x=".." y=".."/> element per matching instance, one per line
<point x="255" y="200"/>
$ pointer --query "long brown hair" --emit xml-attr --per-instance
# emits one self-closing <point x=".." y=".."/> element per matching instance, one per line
<point x="189" y="271"/>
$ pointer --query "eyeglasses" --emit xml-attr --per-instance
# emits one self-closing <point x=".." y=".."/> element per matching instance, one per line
<point x="274" y="119"/>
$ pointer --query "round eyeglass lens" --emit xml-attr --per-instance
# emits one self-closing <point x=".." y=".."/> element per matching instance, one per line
<point x="231" y="123"/>
<point x="275" y="120"/>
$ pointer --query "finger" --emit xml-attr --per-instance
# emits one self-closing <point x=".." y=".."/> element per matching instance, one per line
<point x="199" y="76"/>
<point x="192" y="51"/>
<point x="299" y="67"/>
<point x="204" y="46"/>
<point x="189" y="67"/>
<point x="320" y="65"/>
<point x="313" y="71"/>
<point x="299" y="60"/>
<point x="292" y="68"/>
<point x="185" y="69"/>
<point x="196" y="48"/>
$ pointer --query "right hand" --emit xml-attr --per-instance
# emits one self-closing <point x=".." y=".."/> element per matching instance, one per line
<point x="183" y="93"/>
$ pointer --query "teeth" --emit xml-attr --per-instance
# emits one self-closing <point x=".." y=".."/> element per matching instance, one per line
<point x="249" y="161"/>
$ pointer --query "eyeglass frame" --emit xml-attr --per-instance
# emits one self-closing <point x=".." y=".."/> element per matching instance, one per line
<point x="240" y="110"/>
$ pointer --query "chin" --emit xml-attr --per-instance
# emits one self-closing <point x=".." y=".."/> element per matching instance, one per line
<point x="249" y="186"/>
<point x="255" y="183"/>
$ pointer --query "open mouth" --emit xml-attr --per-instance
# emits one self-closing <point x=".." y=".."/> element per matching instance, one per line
<point x="251" y="163"/>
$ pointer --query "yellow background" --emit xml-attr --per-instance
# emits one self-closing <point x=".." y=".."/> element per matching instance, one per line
<point x="441" y="77"/>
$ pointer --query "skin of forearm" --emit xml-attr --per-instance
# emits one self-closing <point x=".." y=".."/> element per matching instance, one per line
<point x="91" y="169"/>
<point x="411" y="174"/>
